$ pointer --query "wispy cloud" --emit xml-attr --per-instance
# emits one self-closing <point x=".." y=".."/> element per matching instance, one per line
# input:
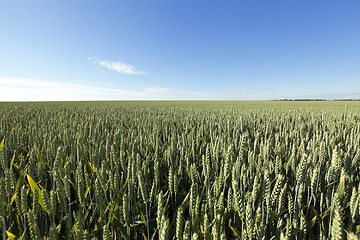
<point x="26" y="89"/>
<point x="117" y="66"/>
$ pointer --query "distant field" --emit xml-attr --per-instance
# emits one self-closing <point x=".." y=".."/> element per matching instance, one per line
<point x="239" y="105"/>
<point x="180" y="170"/>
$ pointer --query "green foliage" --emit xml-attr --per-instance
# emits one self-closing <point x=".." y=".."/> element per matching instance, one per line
<point x="180" y="170"/>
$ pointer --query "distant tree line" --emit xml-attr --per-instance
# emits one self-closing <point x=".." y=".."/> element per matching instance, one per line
<point x="316" y="99"/>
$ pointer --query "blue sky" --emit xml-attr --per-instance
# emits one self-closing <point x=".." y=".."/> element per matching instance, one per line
<point x="171" y="49"/>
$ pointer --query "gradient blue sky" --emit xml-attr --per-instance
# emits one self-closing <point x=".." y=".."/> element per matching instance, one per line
<point x="172" y="49"/>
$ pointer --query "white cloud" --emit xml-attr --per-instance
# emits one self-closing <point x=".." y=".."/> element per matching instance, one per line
<point x="25" y="89"/>
<point x="118" y="66"/>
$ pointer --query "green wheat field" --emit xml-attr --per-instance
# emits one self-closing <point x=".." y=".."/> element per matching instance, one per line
<point x="180" y="170"/>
